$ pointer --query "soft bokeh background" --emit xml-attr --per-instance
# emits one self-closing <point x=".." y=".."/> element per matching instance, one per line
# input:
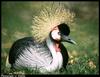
<point x="16" y="21"/>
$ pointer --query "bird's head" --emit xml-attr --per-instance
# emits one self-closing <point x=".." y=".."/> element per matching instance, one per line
<point x="60" y="34"/>
<point x="51" y="22"/>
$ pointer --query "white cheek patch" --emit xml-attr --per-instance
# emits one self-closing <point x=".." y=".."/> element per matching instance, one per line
<point x="55" y="35"/>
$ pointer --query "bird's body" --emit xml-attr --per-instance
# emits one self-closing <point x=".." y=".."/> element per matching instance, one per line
<point x="28" y="53"/>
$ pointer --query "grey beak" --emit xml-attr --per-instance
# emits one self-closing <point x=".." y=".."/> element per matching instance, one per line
<point x="67" y="39"/>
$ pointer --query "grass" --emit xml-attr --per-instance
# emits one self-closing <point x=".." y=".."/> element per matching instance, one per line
<point x="84" y="57"/>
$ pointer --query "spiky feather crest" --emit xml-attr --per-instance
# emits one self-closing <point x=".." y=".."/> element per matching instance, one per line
<point x="48" y="18"/>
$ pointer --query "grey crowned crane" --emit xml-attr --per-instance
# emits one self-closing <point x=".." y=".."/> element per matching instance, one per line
<point x="44" y="51"/>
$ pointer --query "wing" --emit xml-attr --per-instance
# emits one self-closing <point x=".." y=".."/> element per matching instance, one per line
<point x="27" y="53"/>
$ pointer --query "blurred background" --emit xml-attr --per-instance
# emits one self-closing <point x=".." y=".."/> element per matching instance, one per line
<point x="16" y="21"/>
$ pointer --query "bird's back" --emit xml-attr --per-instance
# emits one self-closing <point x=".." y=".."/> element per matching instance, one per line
<point x="26" y="52"/>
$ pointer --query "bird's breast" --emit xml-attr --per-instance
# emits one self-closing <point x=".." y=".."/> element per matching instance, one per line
<point x="60" y="59"/>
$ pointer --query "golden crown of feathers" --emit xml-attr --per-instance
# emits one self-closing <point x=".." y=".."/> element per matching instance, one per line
<point x="48" y="18"/>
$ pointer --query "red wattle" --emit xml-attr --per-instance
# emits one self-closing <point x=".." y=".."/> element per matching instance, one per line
<point x="57" y="48"/>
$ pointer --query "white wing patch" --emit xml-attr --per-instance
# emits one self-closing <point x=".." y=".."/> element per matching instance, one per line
<point x="34" y="57"/>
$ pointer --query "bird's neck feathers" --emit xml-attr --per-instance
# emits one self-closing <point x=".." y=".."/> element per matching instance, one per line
<point x="53" y="45"/>
<point x="57" y="56"/>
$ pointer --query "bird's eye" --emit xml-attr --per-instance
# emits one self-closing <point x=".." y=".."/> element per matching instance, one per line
<point x="59" y="33"/>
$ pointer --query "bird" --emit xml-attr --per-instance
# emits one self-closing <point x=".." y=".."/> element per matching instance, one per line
<point x="44" y="50"/>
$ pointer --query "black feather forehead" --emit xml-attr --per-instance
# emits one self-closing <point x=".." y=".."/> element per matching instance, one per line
<point x="64" y="29"/>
